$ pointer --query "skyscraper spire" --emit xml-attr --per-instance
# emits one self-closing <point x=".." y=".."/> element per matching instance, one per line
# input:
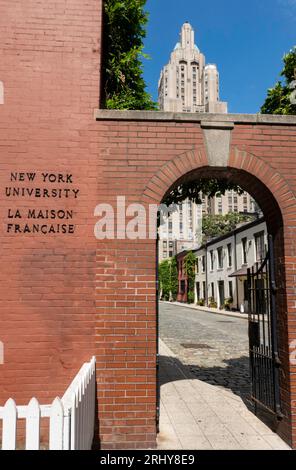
<point x="187" y="36"/>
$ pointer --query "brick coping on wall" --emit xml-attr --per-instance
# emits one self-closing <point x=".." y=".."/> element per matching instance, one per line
<point x="115" y="115"/>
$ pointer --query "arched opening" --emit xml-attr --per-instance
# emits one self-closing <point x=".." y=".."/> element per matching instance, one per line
<point x="265" y="331"/>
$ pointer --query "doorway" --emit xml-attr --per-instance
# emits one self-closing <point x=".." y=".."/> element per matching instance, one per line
<point x="202" y="347"/>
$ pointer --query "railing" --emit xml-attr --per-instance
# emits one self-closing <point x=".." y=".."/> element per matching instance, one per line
<point x="71" y="419"/>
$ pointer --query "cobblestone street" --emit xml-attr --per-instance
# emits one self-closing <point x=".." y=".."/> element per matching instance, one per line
<point x="214" y="347"/>
<point x="205" y="384"/>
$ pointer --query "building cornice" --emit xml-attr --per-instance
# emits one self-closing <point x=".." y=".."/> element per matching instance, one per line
<point x="202" y="118"/>
<point x="234" y="232"/>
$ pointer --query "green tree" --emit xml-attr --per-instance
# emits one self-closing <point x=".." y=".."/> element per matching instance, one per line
<point x="195" y="190"/>
<point x="164" y="279"/>
<point x="168" y="279"/>
<point x="281" y="99"/>
<point x="124" y="31"/>
<point x="174" y="284"/>
<point x="216" y="225"/>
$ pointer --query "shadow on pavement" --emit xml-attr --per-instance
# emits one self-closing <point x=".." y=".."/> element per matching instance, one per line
<point x="234" y="376"/>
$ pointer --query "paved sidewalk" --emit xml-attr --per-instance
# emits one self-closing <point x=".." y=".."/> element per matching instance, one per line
<point x="197" y="415"/>
<point x="211" y="310"/>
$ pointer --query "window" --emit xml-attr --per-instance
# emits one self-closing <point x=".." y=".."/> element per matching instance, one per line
<point x="244" y="250"/>
<point x="229" y="252"/>
<point x="220" y="257"/>
<point x="212" y="290"/>
<point x="203" y="264"/>
<point x="182" y="287"/>
<point x="165" y="244"/>
<point x="259" y="246"/>
<point x="198" y="290"/>
<point x="220" y="207"/>
<point x="212" y="260"/>
<point x="230" y="289"/>
<point x="204" y="289"/>
<point x="170" y="227"/>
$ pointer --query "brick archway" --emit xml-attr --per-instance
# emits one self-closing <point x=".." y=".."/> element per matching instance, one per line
<point x="147" y="154"/>
<point x="252" y="170"/>
<point x="278" y="203"/>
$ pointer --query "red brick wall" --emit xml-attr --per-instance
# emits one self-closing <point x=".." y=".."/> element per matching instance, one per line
<point x="49" y="284"/>
<point x="142" y="161"/>
<point x="50" y="63"/>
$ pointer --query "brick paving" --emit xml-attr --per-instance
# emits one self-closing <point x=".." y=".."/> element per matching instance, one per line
<point x="205" y="387"/>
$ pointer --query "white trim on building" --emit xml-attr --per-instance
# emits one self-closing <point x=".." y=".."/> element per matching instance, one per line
<point x="227" y="259"/>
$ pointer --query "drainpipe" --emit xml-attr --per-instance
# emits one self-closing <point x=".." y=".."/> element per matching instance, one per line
<point x="235" y="267"/>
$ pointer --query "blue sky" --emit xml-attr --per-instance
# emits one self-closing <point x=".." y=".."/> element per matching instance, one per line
<point x="245" y="38"/>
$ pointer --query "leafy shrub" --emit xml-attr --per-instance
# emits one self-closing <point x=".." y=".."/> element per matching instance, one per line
<point x="212" y="303"/>
<point x="124" y="31"/>
<point x="190" y="297"/>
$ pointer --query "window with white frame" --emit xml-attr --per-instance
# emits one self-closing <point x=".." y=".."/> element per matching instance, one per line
<point x="212" y="260"/>
<point x="220" y="257"/>
<point x="203" y="264"/>
<point x="229" y="254"/>
<point x="259" y="246"/>
<point x="244" y="250"/>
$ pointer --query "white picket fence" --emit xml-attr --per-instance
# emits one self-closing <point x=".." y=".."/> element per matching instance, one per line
<point x="71" y="418"/>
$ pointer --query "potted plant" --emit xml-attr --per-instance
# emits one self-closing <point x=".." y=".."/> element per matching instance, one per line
<point x="227" y="304"/>
<point x="212" y="303"/>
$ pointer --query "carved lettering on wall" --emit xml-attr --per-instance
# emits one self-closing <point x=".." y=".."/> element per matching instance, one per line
<point x="37" y="187"/>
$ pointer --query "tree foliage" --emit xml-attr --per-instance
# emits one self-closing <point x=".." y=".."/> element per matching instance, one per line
<point x="281" y="99"/>
<point x="174" y="278"/>
<point x="124" y="31"/>
<point x="195" y="190"/>
<point x="164" y="270"/>
<point x="217" y="225"/>
<point x="168" y="279"/>
<point x="189" y="265"/>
